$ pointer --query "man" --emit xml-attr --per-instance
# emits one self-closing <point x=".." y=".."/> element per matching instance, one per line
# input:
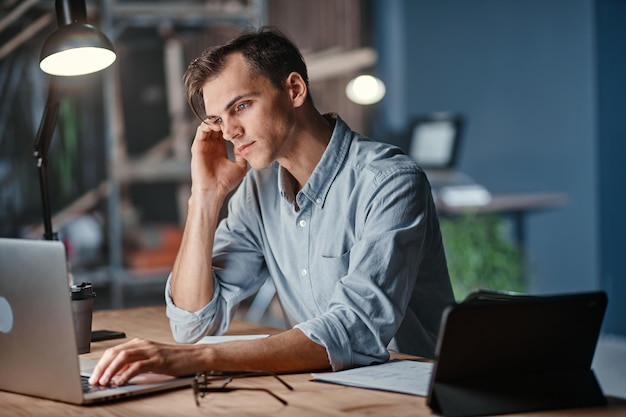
<point x="345" y="227"/>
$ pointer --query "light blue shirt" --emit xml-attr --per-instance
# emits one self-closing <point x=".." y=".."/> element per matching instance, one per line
<point x="356" y="258"/>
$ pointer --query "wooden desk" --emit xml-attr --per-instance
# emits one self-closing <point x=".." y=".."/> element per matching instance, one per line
<point x="309" y="398"/>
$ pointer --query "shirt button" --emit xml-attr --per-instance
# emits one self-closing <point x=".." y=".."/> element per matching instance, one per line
<point x="304" y="272"/>
<point x="302" y="223"/>
<point x="318" y="200"/>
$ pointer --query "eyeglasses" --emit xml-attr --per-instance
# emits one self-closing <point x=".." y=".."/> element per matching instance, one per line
<point x="203" y="380"/>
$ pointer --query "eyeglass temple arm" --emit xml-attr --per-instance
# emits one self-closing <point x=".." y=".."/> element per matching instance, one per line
<point x="245" y="374"/>
<point x="229" y="389"/>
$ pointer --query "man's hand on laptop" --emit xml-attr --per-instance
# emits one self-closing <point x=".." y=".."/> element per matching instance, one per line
<point x="288" y="351"/>
<point x="120" y="363"/>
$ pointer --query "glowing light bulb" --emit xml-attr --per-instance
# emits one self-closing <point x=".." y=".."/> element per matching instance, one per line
<point x="365" y="89"/>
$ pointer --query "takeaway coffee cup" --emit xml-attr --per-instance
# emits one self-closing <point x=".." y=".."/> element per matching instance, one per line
<point x="82" y="307"/>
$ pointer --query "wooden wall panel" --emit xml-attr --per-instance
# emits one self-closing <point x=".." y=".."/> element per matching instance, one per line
<point x="317" y="26"/>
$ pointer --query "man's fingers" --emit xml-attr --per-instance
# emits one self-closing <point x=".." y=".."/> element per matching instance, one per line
<point x="119" y="363"/>
<point x="115" y="360"/>
<point x="129" y="371"/>
<point x="205" y="131"/>
<point x="101" y="367"/>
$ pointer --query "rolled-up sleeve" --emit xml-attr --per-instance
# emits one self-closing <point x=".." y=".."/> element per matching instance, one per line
<point x="187" y="326"/>
<point x="238" y="272"/>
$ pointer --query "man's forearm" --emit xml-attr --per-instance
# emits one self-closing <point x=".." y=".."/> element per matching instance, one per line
<point x="289" y="351"/>
<point x="192" y="283"/>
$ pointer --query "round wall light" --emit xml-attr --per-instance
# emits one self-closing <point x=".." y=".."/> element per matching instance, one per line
<point x="365" y="89"/>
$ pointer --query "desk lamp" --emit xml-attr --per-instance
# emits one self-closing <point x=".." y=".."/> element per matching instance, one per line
<point x="75" y="48"/>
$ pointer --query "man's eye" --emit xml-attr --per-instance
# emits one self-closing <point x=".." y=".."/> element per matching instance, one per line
<point x="218" y="121"/>
<point x="242" y="106"/>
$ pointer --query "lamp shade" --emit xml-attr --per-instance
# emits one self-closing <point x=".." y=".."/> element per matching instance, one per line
<point x="76" y="49"/>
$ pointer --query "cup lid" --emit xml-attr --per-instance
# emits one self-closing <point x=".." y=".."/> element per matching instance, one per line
<point x="82" y="291"/>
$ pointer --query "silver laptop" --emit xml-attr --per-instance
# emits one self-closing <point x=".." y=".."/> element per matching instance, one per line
<point x="39" y="355"/>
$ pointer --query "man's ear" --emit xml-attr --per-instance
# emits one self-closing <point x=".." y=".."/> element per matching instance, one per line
<point x="297" y="89"/>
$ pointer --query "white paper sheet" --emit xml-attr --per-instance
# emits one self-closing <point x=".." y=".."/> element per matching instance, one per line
<point x="230" y="338"/>
<point x="408" y="377"/>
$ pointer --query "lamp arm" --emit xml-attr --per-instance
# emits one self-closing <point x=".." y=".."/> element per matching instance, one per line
<point x="42" y="145"/>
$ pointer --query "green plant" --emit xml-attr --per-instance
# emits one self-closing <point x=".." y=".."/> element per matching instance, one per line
<point x="481" y="255"/>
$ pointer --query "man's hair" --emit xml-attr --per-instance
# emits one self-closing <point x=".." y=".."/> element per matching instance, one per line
<point x="268" y="52"/>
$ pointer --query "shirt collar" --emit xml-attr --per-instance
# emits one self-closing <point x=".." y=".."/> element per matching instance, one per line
<point x="317" y="187"/>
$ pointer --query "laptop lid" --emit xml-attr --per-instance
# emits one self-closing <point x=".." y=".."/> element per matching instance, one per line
<point x="511" y="354"/>
<point x="39" y="351"/>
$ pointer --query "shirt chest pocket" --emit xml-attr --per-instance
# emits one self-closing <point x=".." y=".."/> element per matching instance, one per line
<point x="325" y="275"/>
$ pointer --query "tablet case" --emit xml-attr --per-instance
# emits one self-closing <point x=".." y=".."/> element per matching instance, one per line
<point x="517" y="354"/>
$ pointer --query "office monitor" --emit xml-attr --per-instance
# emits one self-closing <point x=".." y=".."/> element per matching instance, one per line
<point x="435" y="140"/>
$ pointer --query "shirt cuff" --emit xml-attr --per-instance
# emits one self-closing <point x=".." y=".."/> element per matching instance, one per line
<point x="187" y="326"/>
<point x="331" y="335"/>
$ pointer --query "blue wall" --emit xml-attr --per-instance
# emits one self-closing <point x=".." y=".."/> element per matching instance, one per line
<point x="524" y="74"/>
<point x="611" y="18"/>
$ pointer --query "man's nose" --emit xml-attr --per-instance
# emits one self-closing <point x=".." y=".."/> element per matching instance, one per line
<point x="231" y="130"/>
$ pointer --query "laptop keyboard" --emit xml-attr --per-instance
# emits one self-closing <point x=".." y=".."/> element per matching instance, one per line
<point x="87" y="388"/>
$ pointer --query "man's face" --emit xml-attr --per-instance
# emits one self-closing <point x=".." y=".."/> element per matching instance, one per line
<point x="250" y="112"/>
